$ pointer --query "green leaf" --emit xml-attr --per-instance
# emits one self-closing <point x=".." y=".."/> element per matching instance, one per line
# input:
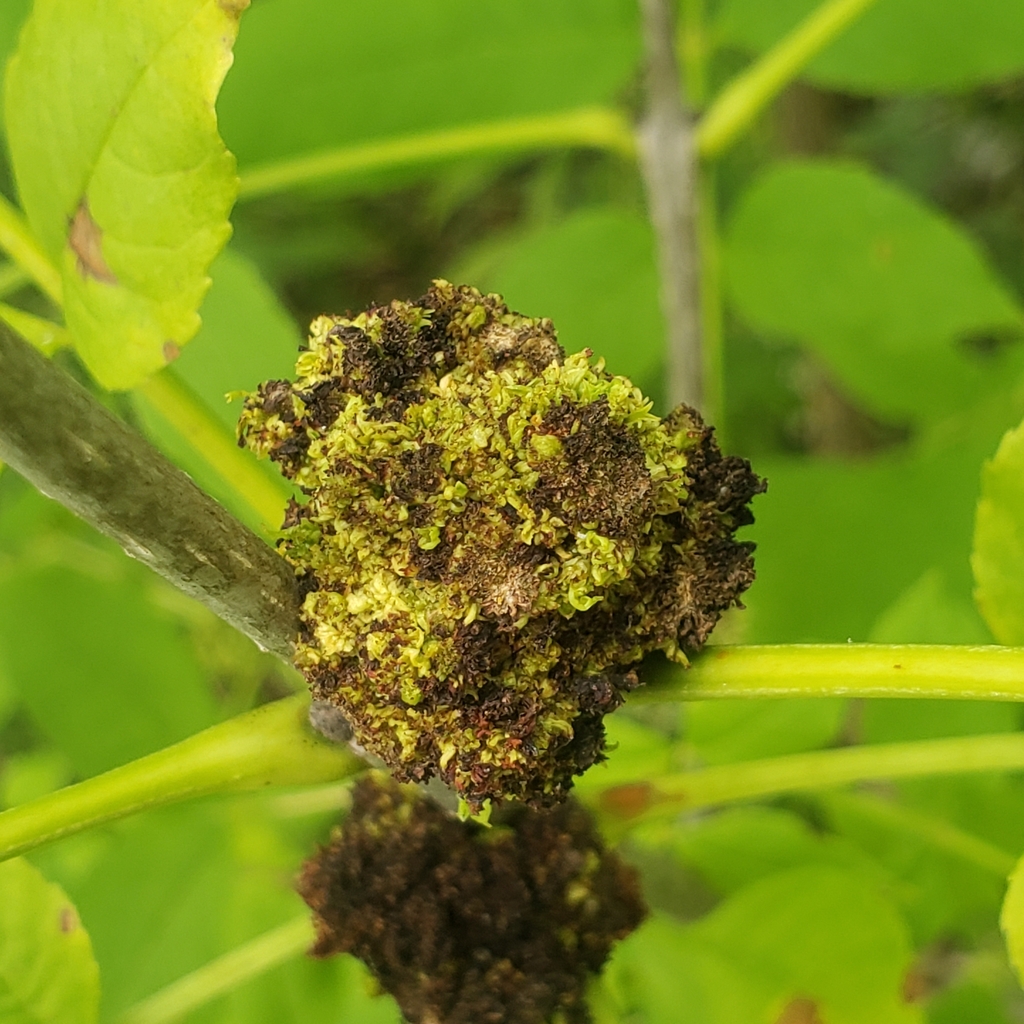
<point x="881" y="287"/>
<point x="967" y="1001"/>
<point x="174" y="869"/>
<point x="1012" y="919"/>
<point x="898" y="45"/>
<point x="106" y="673"/>
<point x="941" y="894"/>
<point x="201" y="880"/>
<point x="635" y="752"/>
<point x="594" y="275"/>
<point x="929" y="611"/>
<point x="47" y="971"/>
<point x="314" y="75"/>
<point x="722" y="731"/>
<point x="665" y="975"/>
<point x="25" y="776"/>
<point x="247" y="337"/>
<point x="740" y="845"/>
<point x="839" y="542"/>
<point x="12" y="14"/>
<point x="123" y="177"/>
<point x="822" y="934"/>
<point x="998" y="556"/>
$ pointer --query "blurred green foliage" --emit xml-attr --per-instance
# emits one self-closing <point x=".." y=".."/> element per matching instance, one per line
<point x="872" y="257"/>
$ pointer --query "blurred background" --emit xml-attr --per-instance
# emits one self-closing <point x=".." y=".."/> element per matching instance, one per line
<point x="863" y="254"/>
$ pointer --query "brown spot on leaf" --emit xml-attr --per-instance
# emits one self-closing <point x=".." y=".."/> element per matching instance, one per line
<point x="85" y="237"/>
<point x="68" y="920"/>
<point x="171" y="351"/>
<point x="800" y="1011"/>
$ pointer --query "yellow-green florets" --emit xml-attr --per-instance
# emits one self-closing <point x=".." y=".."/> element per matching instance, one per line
<point x="494" y="534"/>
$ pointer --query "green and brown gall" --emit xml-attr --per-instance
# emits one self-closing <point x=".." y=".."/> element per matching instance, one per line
<point x="495" y="535"/>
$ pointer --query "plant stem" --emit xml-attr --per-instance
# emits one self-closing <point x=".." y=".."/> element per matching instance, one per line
<point x="173" y="400"/>
<point x="820" y="769"/>
<point x="17" y="240"/>
<point x="224" y="974"/>
<point x="272" y="745"/>
<point x="711" y="305"/>
<point x="597" y="127"/>
<point x="743" y="99"/>
<point x="668" y="162"/>
<point x="43" y="334"/>
<point x="165" y="391"/>
<point x="12" y="277"/>
<point x="935" y="831"/>
<point x="840" y="670"/>
<point x="59" y="437"/>
<point x="692" y="45"/>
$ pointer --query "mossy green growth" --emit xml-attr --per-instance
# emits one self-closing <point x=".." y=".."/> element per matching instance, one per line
<point x="495" y="533"/>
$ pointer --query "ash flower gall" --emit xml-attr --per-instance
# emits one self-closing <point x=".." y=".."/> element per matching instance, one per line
<point x="495" y="534"/>
<point x="463" y="924"/>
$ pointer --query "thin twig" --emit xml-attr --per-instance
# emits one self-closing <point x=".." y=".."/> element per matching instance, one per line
<point x="59" y="437"/>
<point x="668" y="160"/>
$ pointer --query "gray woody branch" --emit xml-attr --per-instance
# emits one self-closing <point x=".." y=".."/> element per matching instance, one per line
<point x="55" y="434"/>
<point x="668" y="162"/>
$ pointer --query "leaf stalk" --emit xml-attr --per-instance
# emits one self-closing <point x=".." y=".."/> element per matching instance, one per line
<point x="270" y="746"/>
<point x="945" y="671"/>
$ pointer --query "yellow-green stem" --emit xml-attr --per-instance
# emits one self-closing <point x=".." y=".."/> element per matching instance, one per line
<point x="743" y="99"/>
<point x="711" y="303"/>
<point x="935" y="831"/>
<point x="272" y="745"/>
<point x="597" y="127"/>
<point x="12" y="277"/>
<point x="820" y="769"/>
<point x="44" y="334"/>
<point x="224" y="974"/>
<point x="841" y="670"/>
<point x="206" y="435"/>
<point x="692" y="44"/>
<point x="18" y="242"/>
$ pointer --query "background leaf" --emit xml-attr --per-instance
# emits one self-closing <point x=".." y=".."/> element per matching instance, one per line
<point x="106" y="673"/>
<point x="722" y="731"/>
<point x="879" y="286"/>
<point x="840" y="541"/>
<point x="247" y="337"/>
<point x="12" y="14"/>
<point x="121" y="172"/>
<point x="1012" y="919"/>
<point x="47" y="971"/>
<point x="905" y="45"/>
<point x="662" y="974"/>
<point x="594" y="275"/>
<point x="818" y="933"/>
<point x="324" y="75"/>
<point x="998" y="558"/>
<point x="738" y="846"/>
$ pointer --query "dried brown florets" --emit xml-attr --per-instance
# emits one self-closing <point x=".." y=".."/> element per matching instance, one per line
<point x="495" y="534"/>
<point x="467" y="925"/>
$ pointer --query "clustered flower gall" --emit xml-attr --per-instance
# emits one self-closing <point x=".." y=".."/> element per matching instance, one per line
<point x="468" y="925"/>
<point x="495" y="535"/>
